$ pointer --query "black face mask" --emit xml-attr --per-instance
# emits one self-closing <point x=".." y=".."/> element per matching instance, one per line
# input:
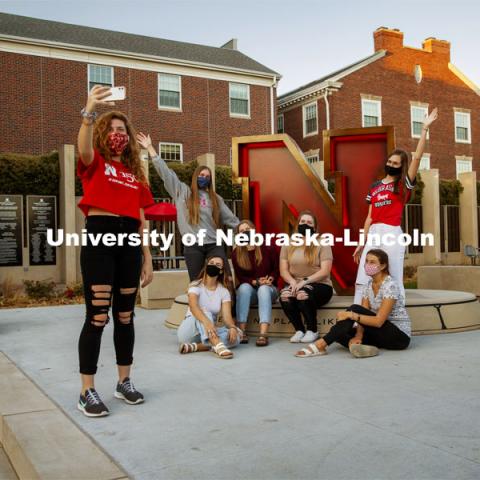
<point x="303" y="228"/>
<point x="213" y="271"/>
<point x="393" y="171"/>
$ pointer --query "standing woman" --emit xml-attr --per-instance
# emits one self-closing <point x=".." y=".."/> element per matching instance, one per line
<point x="256" y="274"/>
<point x="387" y="199"/>
<point x="198" y="207"/>
<point x="116" y="192"/>
<point x="306" y="270"/>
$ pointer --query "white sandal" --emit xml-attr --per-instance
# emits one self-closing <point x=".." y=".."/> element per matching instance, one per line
<point x="187" y="348"/>
<point x="222" y="351"/>
<point x="311" y="351"/>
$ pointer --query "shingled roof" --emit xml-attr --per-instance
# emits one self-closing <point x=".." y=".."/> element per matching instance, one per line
<point x="96" y="38"/>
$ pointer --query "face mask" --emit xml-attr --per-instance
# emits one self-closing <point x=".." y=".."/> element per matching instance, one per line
<point x="212" y="271"/>
<point x="303" y="228"/>
<point x="117" y="142"/>
<point x="372" y="269"/>
<point x="203" y="182"/>
<point x="393" y="171"/>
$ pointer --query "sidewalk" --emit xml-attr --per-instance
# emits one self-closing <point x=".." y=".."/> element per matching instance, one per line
<point x="265" y="414"/>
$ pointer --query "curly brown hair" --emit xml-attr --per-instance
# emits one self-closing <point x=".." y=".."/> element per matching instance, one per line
<point x="131" y="155"/>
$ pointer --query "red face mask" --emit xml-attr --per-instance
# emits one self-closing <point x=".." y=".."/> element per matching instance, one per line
<point x="117" y="142"/>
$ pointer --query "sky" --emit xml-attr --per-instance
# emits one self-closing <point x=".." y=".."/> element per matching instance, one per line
<point x="301" y="39"/>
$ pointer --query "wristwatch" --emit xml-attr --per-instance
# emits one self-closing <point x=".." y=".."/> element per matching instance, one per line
<point x="88" y="115"/>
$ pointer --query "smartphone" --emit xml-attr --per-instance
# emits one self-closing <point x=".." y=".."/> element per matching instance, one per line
<point x="117" y="93"/>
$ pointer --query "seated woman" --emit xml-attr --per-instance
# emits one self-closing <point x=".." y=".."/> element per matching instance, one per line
<point x="306" y="270"/>
<point x="380" y="322"/>
<point x="256" y="273"/>
<point x="207" y="297"/>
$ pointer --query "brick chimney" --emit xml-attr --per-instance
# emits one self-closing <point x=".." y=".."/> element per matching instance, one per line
<point x="438" y="47"/>
<point x="389" y="39"/>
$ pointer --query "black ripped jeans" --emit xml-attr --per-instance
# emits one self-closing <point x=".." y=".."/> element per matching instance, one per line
<point x="318" y="294"/>
<point x="111" y="276"/>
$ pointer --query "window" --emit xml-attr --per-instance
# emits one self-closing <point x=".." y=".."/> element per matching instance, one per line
<point x="312" y="158"/>
<point x="169" y="91"/>
<point x="280" y="123"/>
<point x="239" y="95"/>
<point x="464" y="164"/>
<point x="371" y="113"/>
<point x="100" y="75"/>
<point x="171" y="152"/>
<point x="310" y="126"/>
<point x="418" y="114"/>
<point x="462" y="127"/>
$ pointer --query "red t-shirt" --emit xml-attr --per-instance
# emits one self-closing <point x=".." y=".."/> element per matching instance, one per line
<point x="387" y="206"/>
<point x="112" y="187"/>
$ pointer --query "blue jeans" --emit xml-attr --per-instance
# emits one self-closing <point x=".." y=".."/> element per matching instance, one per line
<point x="192" y="330"/>
<point x="264" y="297"/>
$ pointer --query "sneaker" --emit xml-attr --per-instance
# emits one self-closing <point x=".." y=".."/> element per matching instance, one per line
<point x="91" y="404"/>
<point x="297" y="338"/>
<point x="126" y="391"/>
<point x="363" y="351"/>
<point x="309" y="337"/>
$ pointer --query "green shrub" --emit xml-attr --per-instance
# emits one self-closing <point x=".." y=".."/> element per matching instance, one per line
<point x="39" y="289"/>
<point x="450" y="191"/>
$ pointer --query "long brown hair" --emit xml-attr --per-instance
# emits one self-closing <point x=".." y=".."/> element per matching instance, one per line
<point x="243" y="258"/>
<point x="310" y="251"/>
<point x="400" y="180"/>
<point x="131" y="155"/>
<point x="223" y="279"/>
<point x="193" y="201"/>
<point x="382" y="257"/>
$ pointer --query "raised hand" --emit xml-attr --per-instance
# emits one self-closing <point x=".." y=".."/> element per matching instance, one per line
<point x="431" y="118"/>
<point x="96" y="97"/>
<point x="144" y="140"/>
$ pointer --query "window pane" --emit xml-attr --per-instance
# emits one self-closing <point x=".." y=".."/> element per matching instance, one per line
<point x="370" y="121"/>
<point x="239" y="98"/>
<point x="100" y="75"/>
<point x="418" y="114"/>
<point x="280" y="124"/>
<point x="461" y="120"/>
<point x="169" y="90"/>
<point x="169" y="99"/>
<point x="370" y="109"/>
<point x="417" y="128"/>
<point x="239" y="91"/>
<point x="169" y="82"/>
<point x="171" y="152"/>
<point x="239" y="106"/>
<point x="462" y="133"/>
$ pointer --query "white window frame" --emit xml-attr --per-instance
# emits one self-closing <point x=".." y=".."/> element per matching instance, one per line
<point x="379" y="103"/>
<point x="98" y="65"/>
<point x="238" y="115"/>
<point x="469" y="131"/>
<point x="424" y="108"/>
<point x="163" y="107"/>
<point x="282" y="116"/>
<point x="167" y="144"/>
<point x="425" y="159"/>
<point x="312" y="158"/>
<point x="304" y="119"/>
<point x="459" y="160"/>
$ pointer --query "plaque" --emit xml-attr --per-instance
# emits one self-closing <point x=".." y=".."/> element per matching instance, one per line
<point x="11" y="229"/>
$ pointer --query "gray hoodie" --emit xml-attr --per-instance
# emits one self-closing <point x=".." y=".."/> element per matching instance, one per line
<point x="180" y="192"/>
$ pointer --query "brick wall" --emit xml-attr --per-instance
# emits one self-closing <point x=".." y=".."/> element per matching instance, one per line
<point x="42" y="98"/>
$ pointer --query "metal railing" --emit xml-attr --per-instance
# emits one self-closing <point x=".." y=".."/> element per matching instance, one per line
<point x="413" y="220"/>
<point x="449" y="228"/>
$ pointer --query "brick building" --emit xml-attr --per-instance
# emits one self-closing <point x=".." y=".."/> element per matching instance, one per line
<point x="191" y="98"/>
<point x="395" y="86"/>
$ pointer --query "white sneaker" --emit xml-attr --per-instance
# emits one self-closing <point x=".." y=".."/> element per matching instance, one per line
<point x="309" y="337"/>
<point x="297" y="338"/>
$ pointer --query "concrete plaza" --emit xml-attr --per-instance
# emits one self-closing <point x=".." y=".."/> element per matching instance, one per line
<point x="265" y="414"/>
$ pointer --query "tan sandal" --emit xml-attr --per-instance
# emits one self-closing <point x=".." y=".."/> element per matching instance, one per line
<point x="222" y="351"/>
<point x="187" y="348"/>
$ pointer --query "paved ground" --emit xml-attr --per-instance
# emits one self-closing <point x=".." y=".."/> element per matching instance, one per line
<point x="266" y="414"/>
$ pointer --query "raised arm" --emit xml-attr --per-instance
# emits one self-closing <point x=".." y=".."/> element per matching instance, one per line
<point x="172" y="183"/>
<point x="417" y="156"/>
<point x="85" y="134"/>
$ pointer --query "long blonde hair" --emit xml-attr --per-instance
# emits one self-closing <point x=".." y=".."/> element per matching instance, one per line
<point x="131" y="155"/>
<point x="193" y="201"/>
<point x="309" y="251"/>
<point x="243" y="258"/>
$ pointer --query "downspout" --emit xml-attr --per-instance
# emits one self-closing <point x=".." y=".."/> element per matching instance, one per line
<point x="272" y="107"/>
<point x="327" y="108"/>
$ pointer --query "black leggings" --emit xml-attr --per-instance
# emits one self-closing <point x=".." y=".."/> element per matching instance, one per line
<point x="110" y="278"/>
<point x="318" y="294"/>
<point x="196" y="255"/>
<point x="387" y="336"/>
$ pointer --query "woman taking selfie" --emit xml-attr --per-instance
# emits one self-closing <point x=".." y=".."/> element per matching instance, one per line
<point x="306" y="270"/>
<point x="208" y="297"/>
<point x="387" y="199"/>
<point x="381" y="321"/>
<point x="198" y="207"/>
<point x="116" y="192"/>
<point x="256" y="275"/>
